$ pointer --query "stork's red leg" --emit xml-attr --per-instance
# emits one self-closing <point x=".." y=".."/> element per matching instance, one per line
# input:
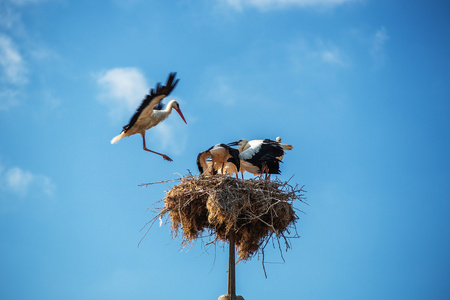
<point x="265" y="170"/>
<point x="146" y="149"/>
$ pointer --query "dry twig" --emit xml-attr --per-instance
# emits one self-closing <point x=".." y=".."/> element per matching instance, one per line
<point x="256" y="210"/>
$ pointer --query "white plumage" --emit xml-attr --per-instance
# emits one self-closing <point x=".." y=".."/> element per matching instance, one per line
<point x="259" y="156"/>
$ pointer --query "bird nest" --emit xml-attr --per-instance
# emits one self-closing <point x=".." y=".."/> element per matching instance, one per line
<point x="255" y="210"/>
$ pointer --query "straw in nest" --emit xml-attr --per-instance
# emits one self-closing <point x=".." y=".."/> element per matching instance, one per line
<point x="256" y="210"/>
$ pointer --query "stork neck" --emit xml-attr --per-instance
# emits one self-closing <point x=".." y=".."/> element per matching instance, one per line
<point x="169" y="106"/>
<point x="242" y="146"/>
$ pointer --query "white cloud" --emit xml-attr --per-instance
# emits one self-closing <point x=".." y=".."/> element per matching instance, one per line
<point x="8" y="17"/>
<point x="330" y="56"/>
<point x="122" y="89"/>
<point x="46" y="185"/>
<point x="21" y="182"/>
<point x="18" y="180"/>
<point x="269" y="4"/>
<point x="318" y="53"/>
<point x="18" y="52"/>
<point x="13" y="73"/>
<point x="13" y="70"/>
<point x="377" y="48"/>
<point x="51" y="101"/>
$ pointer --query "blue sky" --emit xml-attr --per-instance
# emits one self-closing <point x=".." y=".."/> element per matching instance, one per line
<point x="359" y="87"/>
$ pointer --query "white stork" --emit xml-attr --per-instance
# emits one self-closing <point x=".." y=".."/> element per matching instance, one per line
<point x="150" y="114"/>
<point x="259" y="156"/>
<point x="224" y="160"/>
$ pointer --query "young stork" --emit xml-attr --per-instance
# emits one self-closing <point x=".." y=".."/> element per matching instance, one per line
<point x="259" y="156"/>
<point x="150" y="113"/>
<point x="224" y="160"/>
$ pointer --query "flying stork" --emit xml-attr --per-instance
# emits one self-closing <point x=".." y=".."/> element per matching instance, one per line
<point x="259" y="156"/>
<point x="150" y="113"/>
<point x="223" y="160"/>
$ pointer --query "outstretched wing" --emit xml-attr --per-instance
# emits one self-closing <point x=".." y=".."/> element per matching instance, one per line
<point x="145" y="110"/>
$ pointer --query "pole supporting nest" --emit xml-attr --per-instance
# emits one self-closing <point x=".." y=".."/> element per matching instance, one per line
<point x="232" y="267"/>
<point x="232" y="270"/>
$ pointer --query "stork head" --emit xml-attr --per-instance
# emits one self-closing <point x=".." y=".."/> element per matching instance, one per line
<point x="176" y="106"/>
<point x="240" y="143"/>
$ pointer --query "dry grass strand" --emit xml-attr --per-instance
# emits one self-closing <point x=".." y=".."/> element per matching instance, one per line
<point x="257" y="210"/>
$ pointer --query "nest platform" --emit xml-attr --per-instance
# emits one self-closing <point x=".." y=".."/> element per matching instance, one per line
<point x="255" y="210"/>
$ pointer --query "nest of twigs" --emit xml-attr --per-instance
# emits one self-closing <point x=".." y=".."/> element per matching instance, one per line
<point x="256" y="210"/>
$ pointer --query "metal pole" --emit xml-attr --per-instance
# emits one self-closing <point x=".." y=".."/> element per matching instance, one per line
<point x="231" y="267"/>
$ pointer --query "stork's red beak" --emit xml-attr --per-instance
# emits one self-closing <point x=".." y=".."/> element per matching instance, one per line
<point x="181" y="114"/>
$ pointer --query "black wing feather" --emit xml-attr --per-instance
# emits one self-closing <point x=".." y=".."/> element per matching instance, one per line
<point x="267" y="156"/>
<point x="199" y="166"/>
<point x="234" y="158"/>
